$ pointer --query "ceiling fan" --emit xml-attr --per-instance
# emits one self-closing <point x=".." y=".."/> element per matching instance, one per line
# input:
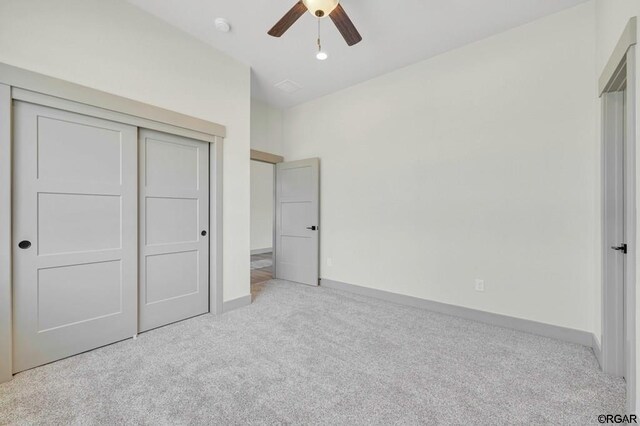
<point x="319" y="9"/>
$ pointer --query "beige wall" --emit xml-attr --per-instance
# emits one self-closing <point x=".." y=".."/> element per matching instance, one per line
<point x="482" y="163"/>
<point x="266" y="127"/>
<point x="115" y="47"/>
<point x="612" y="17"/>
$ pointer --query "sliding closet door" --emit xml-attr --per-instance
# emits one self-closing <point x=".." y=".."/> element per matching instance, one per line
<point x="74" y="234"/>
<point x="174" y="217"/>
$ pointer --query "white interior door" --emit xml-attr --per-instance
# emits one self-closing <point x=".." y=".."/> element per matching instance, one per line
<point x="614" y="232"/>
<point x="619" y="213"/>
<point x="630" y="219"/>
<point x="174" y="217"/>
<point x="74" y="231"/>
<point x="297" y="221"/>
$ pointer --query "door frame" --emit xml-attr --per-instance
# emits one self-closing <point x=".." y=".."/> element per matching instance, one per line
<point x="19" y="84"/>
<point x="620" y="74"/>
<point x="273" y="159"/>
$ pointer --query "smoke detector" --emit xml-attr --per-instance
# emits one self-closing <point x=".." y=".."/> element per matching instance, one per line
<point x="222" y="25"/>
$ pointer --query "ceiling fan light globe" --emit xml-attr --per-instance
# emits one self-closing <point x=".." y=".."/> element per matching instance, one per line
<point x="321" y="8"/>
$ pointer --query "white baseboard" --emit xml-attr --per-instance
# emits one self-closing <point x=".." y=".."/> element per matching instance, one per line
<point x="597" y="350"/>
<point x="232" y="304"/>
<point x="571" y="335"/>
<point x="262" y="251"/>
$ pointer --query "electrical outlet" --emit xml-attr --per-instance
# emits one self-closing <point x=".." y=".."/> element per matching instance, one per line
<point x="329" y="261"/>
<point x="479" y="285"/>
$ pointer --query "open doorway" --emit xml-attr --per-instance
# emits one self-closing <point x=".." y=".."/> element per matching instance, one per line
<point x="262" y="218"/>
<point x="285" y="210"/>
<point x="261" y="222"/>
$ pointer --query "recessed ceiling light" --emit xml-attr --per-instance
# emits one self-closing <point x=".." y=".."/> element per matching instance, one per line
<point x="222" y="25"/>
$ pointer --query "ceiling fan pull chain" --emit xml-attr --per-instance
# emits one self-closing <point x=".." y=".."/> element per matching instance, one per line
<point x="321" y="55"/>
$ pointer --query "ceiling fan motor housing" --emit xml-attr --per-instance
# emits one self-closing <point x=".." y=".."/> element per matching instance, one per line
<point x="321" y="8"/>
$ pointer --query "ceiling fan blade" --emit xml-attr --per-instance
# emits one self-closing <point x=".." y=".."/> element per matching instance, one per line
<point x="288" y="19"/>
<point x="345" y="26"/>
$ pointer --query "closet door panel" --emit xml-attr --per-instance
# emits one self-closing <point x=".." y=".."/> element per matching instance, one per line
<point x="75" y="234"/>
<point x="174" y="217"/>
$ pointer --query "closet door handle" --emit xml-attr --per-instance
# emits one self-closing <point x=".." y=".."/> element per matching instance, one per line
<point x="312" y="228"/>
<point x="25" y="244"/>
<point x="203" y="233"/>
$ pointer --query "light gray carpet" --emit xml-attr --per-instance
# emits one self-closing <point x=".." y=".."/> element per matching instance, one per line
<point x="302" y="355"/>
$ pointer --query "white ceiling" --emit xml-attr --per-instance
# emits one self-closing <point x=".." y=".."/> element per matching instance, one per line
<point x="395" y="33"/>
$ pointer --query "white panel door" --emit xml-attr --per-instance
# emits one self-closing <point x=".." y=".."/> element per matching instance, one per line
<point x="297" y="204"/>
<point x="75" y="234"/>
<point x="174" y="217"/>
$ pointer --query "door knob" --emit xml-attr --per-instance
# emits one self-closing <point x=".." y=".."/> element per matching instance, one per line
<point x="622" y="248"/>
<point x="312" y="228"/>
<point x="203" y="233"/>
<point x="24" y="244"/>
